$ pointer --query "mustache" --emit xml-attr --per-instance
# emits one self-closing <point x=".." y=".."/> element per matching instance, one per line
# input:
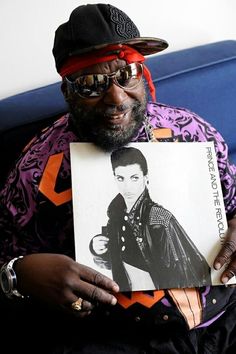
<point x="112" y="110"/>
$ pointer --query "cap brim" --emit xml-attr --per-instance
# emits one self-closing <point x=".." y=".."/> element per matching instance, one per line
<point x="148" y="45"/>
<point x="144" y="45"/>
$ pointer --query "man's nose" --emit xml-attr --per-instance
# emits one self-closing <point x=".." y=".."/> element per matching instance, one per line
<point x="115" y="95"/>
<point x="127" y="186"/>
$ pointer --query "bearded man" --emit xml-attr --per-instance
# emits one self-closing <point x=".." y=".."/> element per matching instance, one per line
<point x="56" y="304"/>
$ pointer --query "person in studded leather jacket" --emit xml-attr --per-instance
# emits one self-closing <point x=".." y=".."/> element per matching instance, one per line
<point x="148" y="247"/>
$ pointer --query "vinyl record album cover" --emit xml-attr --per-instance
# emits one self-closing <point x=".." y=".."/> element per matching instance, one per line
<point x="150" y="216"/>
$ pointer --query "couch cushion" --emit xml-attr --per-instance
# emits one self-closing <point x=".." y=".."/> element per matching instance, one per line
<point x="202" y="79"/>
<point x="31" y="106"/>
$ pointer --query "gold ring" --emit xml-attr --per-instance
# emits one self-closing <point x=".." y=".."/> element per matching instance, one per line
<point x="77" y="305"/>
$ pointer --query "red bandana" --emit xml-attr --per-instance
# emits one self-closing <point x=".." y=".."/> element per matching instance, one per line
<point x="111" y="52"/>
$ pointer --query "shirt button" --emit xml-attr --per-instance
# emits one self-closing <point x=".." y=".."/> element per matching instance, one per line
<point x="165" y="317"/>
<point x="123" y="228"/>
<point x="122" y="248"/>
<point x="139" y="239"/>
<point x="138" y="217"/>
<point x="140" y="223"/>
<point x="137" y="319"/>
<point x="213" y="301"/>
<point x="122" y="239"/>
<point x="125" y="217"/>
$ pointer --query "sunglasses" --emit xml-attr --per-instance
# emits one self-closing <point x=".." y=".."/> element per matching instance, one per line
<point x="95" y="85"/>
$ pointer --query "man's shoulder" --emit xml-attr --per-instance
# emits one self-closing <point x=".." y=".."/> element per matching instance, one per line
<point x="159" y="215"/>
<point x="53" y="139"/>
<point x="51" y="143"/>
<point x="158" y="108"/>
<point x="178" y="123"/>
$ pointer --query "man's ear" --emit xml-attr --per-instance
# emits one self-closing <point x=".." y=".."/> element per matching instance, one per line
<point x="65" y="91"/>
<point x="146" y="180"/>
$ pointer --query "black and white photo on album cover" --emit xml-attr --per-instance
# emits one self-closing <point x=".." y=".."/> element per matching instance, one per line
<point x="150" y="216"/>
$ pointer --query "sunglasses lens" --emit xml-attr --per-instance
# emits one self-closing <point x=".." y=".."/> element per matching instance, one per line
<point x="129" y="76"/>
<point x="94" y="85"/>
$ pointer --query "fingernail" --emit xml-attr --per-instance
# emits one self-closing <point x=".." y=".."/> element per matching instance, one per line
<point x="114" y="301"/>
<point x="225" y="280"/>
<point x="217" y="265"/>
<point x="115" y="288"/>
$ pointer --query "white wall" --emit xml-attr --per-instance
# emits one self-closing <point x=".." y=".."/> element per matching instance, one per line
<point x="27" y="30"/>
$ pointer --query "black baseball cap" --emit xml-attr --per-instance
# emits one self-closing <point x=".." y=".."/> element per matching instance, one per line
<point x="94" y="26"/>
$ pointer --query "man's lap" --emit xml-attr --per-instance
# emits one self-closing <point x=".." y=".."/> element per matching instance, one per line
<point x="50" y="335"/>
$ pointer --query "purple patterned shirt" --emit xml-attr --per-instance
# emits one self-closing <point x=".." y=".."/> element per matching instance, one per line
<point x="36" y="209"/>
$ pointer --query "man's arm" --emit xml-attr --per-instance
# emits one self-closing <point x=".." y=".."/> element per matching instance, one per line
<point x="55" y="279"/>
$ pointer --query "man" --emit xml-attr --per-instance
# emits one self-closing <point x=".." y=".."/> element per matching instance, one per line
<point x="147" y="247"/>
<point x="99" y="54"/>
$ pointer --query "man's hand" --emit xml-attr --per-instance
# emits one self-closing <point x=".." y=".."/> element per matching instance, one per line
<point x="227" y="254"/>
<point x="60" y="281"/>
<point x="99" y="244"/>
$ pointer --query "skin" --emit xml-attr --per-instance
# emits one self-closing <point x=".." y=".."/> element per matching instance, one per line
<point x="111" y="120"/>
<point x="58" y="279"/>
<point x="130" y="182"/>
<point x="227" y="254"/>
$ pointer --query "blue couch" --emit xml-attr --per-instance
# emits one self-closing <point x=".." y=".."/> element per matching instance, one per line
<point x="201" y="78"/>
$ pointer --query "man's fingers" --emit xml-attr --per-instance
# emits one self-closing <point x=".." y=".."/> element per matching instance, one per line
<point x="95" y="294"/>
<point x="102" y="281"/>
<point x="101" y="238"/>
<point x="87" y="306"/>
<point x="225" y="254"/>
<point x="228" y="249"/>
<point x="95" y="287"/>
<point x="229" y="272"/>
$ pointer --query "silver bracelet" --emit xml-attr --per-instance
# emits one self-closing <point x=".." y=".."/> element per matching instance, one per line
<point x="8" y="279"/>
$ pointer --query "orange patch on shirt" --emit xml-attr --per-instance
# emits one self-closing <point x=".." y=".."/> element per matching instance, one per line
<point x="140" y="297"/>
<point x="48" y="182"/>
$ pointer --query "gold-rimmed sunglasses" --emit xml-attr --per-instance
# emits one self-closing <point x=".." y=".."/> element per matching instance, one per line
<point x="95" y="85"/>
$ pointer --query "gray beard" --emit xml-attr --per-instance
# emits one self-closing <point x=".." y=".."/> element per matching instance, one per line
<point x="89" y="127"/>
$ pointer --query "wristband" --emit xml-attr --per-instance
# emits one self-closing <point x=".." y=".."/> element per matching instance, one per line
<point x="8" y="279"/>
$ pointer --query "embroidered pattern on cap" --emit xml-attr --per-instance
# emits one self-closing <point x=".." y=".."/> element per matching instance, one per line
<point x="123" y="25"/>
